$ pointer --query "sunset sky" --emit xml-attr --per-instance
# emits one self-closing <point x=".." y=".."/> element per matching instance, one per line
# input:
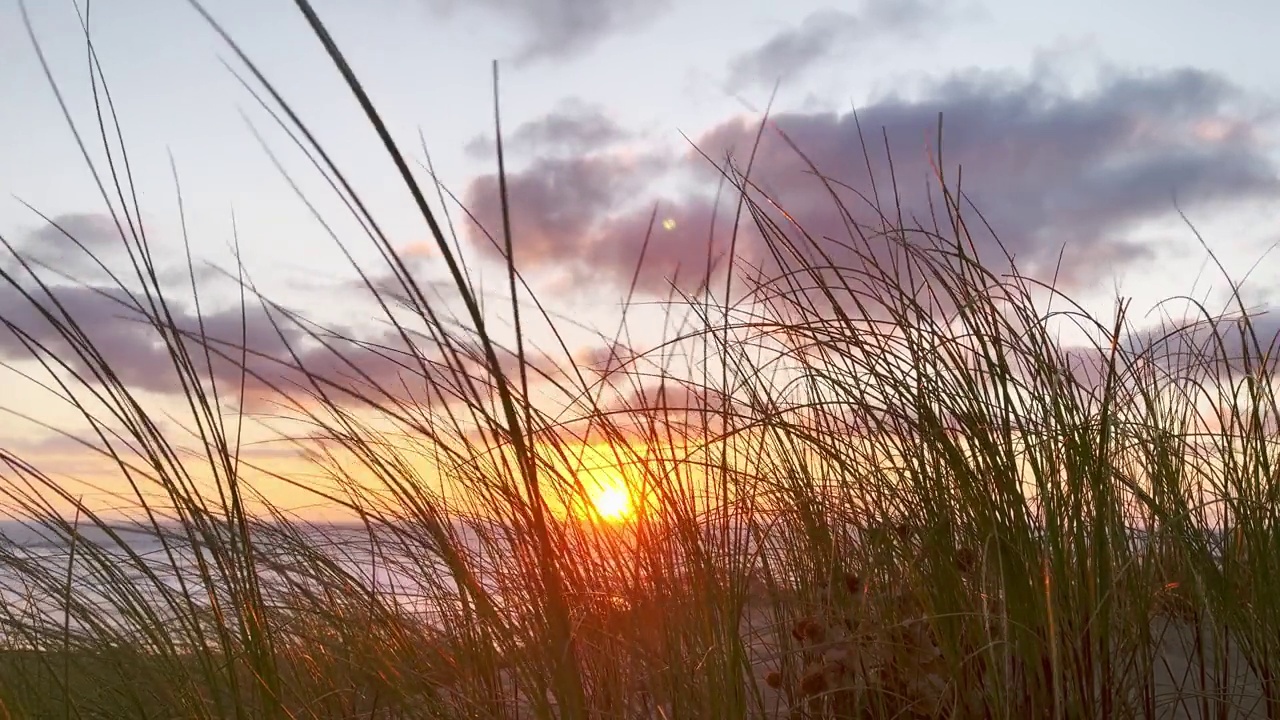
<point x="1076" y="123"/>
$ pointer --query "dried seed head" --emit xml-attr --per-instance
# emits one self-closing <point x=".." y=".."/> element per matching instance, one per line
<point x="853" y="583"/>
<point x="813" y="681"/>
<point x="809" y="629"/>
<point x="773" y="679"/>
<point x="815" y="632"/>
<point x="966" y="560"/>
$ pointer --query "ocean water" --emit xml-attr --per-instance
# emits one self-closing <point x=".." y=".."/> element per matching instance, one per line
<point x="103" y="577"/>
<point x="49" y="585"/>
<point x="47" y="581"/>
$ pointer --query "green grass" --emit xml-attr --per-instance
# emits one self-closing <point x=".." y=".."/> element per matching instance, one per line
<point x="898" y="496"/>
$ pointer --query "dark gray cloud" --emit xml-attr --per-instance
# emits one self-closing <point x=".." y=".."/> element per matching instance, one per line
<point x="1046" y="167"/>
<point x="571" y="127"/>
<point x="558" y="29"/>
<point x="827" y="33"/>
<point x="605" y="359"/>
<point x="111" y="321"/>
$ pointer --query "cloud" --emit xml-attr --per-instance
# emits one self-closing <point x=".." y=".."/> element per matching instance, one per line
<point x="92" y="247"/>
<point x="274" y="355"/>
<point x="71" y="243"/>
<point x="1219" y="346"/>
<point x="571" y="127"/>
<point x="559" y="29"/>
<point x="93" y="230"/>
<point x="1188" y="351"/>
<point x="114" y="325"/>
<point x="824" y="33"/>
<point x="554" y="201"/>
<point x="604" y="360"/>
<point x="1047" y="167"/>
<point x="668" y="407"/>
<point x="278" y="356"/>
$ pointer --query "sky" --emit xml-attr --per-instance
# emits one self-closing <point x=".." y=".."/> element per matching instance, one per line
<point x="1082" y="129"/>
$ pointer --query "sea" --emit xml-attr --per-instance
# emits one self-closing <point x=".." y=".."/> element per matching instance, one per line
<point x="82" y="589"/>
<point x="93" y="585"/>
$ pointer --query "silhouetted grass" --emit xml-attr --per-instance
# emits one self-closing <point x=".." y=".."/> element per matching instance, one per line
<point x="874" y="485"/>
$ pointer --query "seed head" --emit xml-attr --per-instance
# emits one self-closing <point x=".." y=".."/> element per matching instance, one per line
<point x="853" y="583"/>
<point x="809" y="629"/>
<point x="814" y="680"/>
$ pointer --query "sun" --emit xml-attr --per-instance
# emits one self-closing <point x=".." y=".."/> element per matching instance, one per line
<point x="612" y="503"/>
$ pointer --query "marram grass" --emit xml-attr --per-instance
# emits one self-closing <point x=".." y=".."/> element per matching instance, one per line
<point x="875" y="485"/>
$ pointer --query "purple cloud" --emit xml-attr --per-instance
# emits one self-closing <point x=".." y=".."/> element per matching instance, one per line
<point x="559" y="29"/>
<point x="822" y="34"/>
<point x="1047" y="168"/>
<point x="571" y="127"/>
<point x="91" y="247"/>
<point x="270" y="351"/>
<point x="277" y="355"/>
<point x="69" y="243"/>
<point x="1193" y="348"/>
<point x="266" y="349"/>
<point x="555" y="201"/>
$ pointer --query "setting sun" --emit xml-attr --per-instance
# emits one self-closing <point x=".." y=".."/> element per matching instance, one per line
<point x="612" y="503"/>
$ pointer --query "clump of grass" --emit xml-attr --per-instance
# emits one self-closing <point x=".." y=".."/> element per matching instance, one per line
<point x="889" y="491"/>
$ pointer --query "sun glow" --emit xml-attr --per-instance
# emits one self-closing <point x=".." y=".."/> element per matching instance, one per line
<point x="608" y="484"/>
<point x="612" y="502"/>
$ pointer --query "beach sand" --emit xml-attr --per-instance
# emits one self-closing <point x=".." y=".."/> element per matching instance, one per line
<point x="1187" y="682"/>
<point x="1182" y="686"/>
